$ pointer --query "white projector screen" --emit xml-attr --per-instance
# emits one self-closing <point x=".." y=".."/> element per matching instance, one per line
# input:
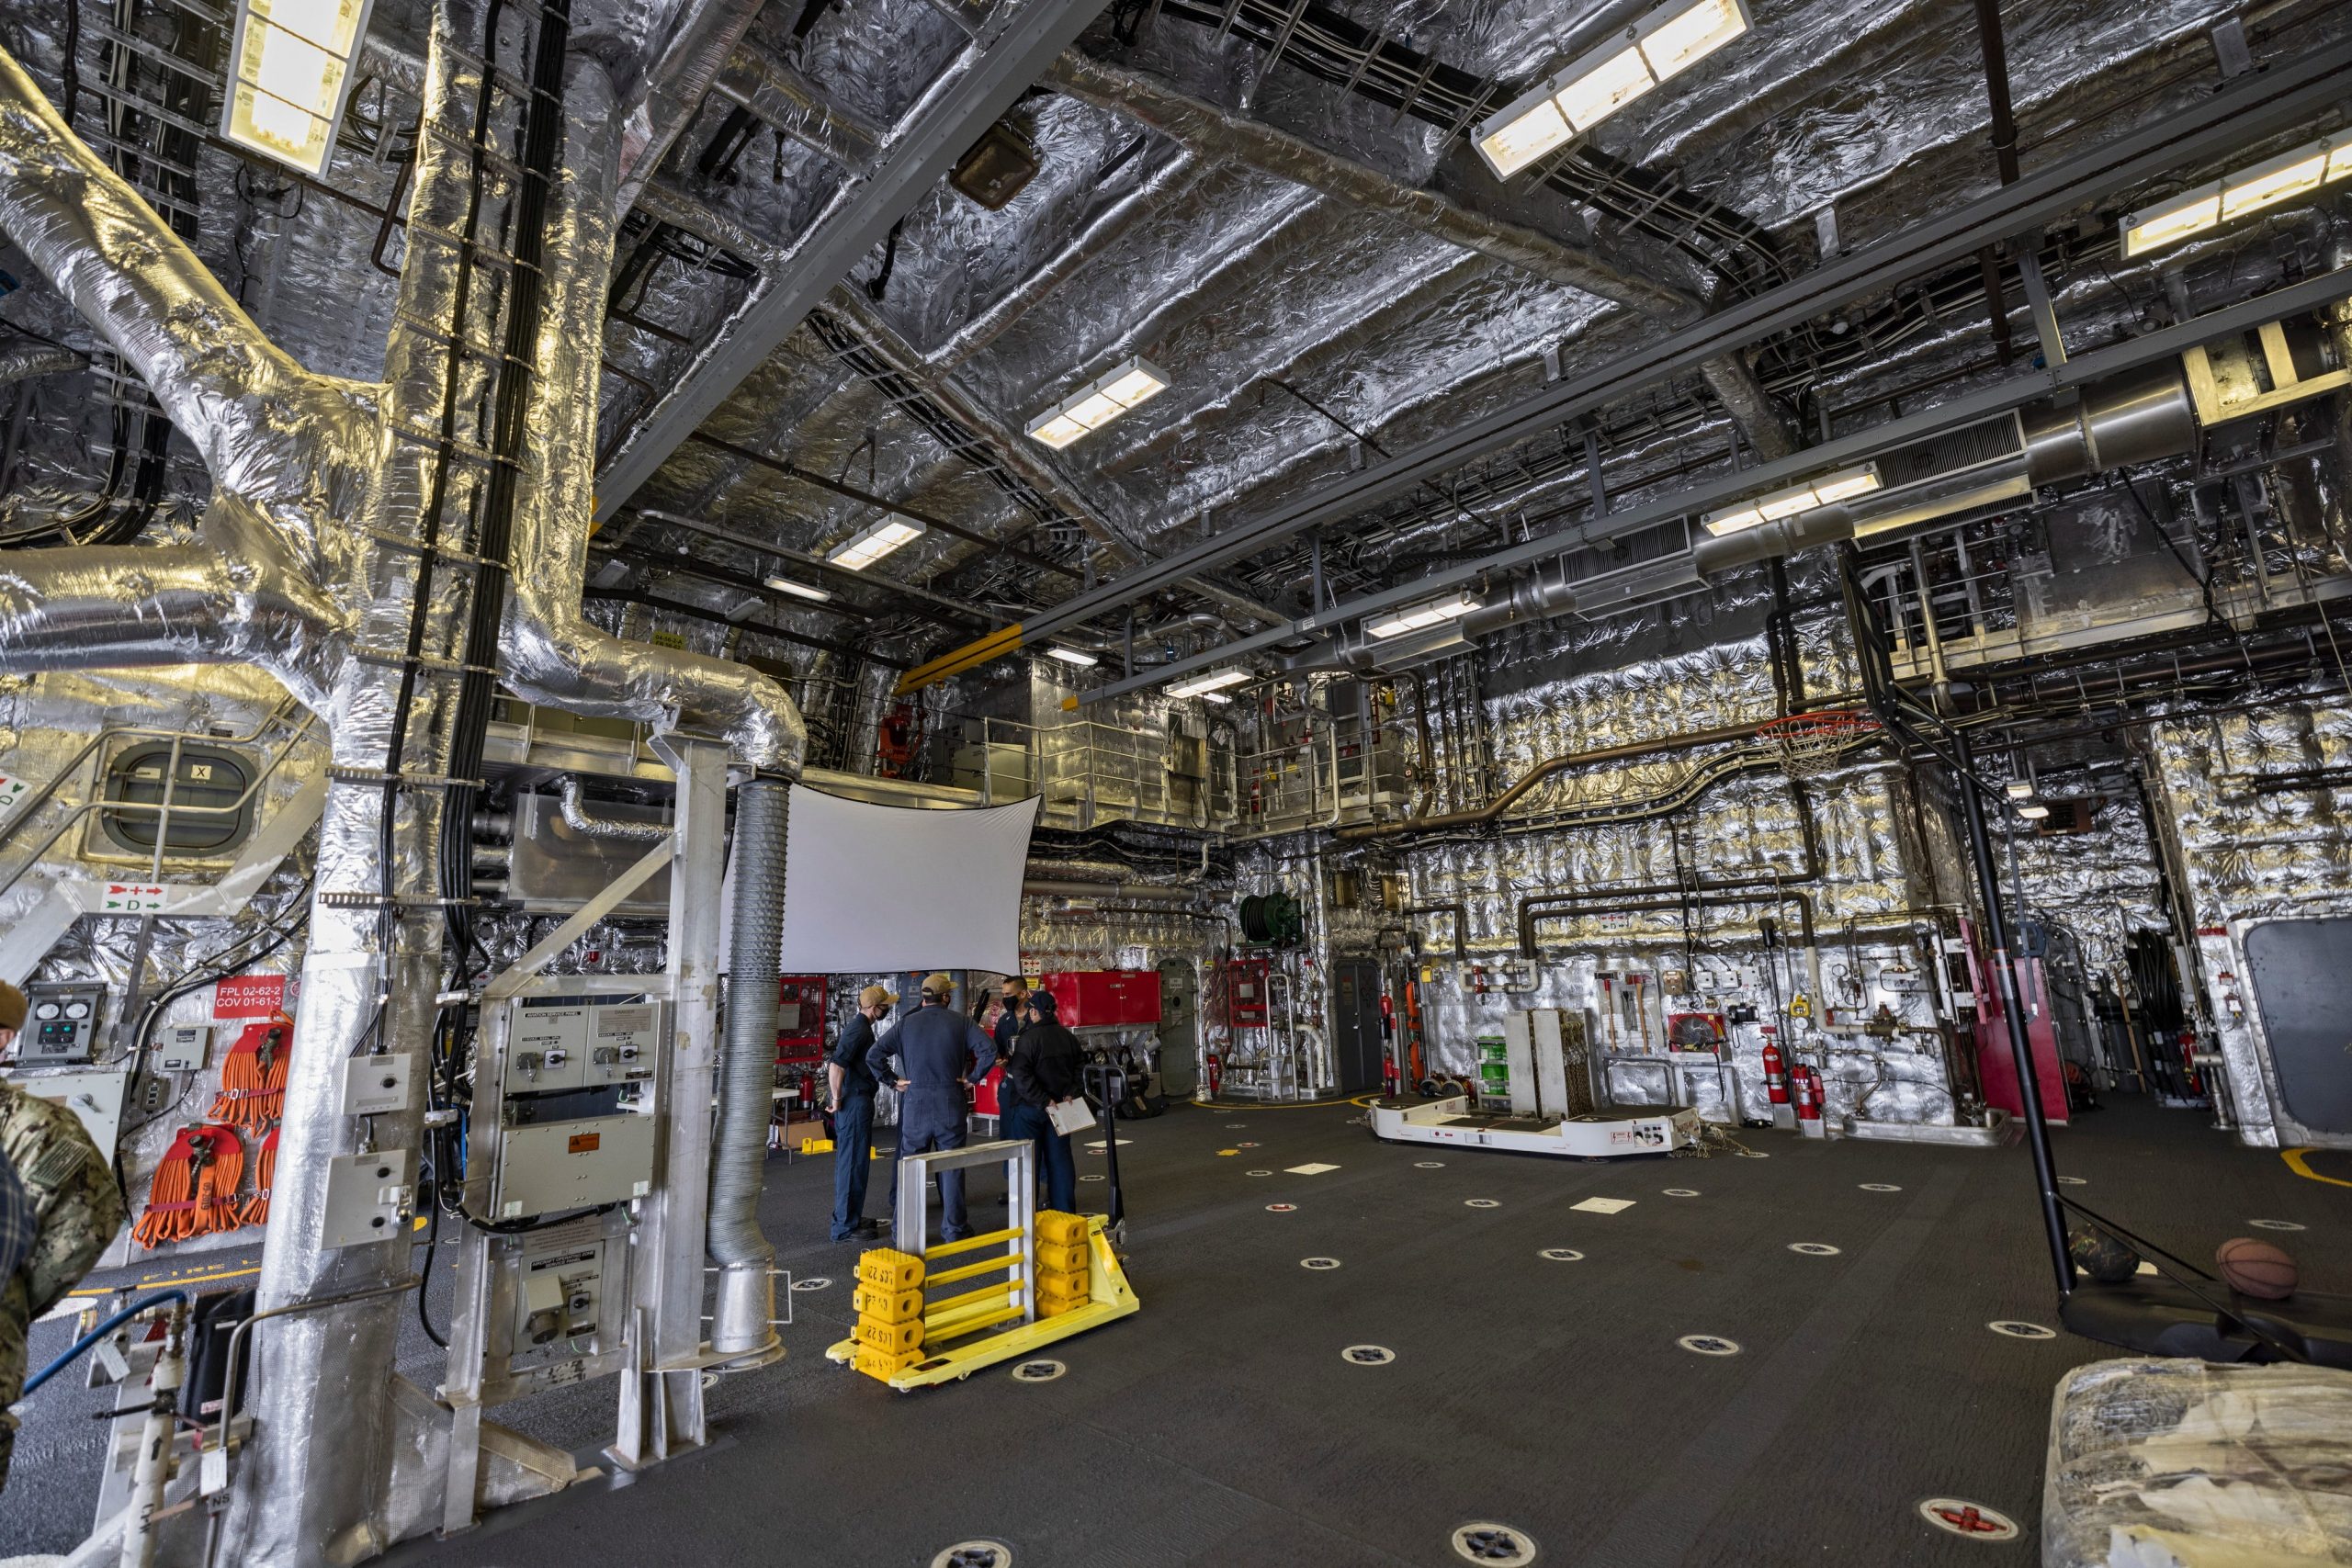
<point x="872" y="889"/>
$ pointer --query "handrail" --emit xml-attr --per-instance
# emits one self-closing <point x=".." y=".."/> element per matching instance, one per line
<point x="171" y="788"/>
<point x="40" y="797"/>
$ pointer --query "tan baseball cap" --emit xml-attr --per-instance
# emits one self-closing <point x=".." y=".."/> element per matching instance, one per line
<point x="876" y="997"/>
<point x="942" y="985"/>
<point x="12" y="1007"/>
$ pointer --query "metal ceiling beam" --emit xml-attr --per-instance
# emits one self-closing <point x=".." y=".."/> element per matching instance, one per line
<point x="1218" y="132"/>
<point x="2246" y="109"/>
<point x="2312" y="294"/>
<point x="1007" y="56"/>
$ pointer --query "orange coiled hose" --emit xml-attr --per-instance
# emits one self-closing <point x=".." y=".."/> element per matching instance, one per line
<point x="256" y="1209"/>
<point x="217" y="1179"/>
<point x="253" y="1078"/>
<point x="171" y="1197"/>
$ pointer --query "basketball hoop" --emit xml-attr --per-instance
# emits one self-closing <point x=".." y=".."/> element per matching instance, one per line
<point x="1810" y="744"/>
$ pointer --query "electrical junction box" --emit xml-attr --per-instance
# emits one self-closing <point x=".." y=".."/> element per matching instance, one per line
<point x="545" y="1167"/>
<point x="582" y="1047"/>
<point x="95" y="1095"/>
<point x="368" y="1198"/>
<point x="559" y="1298"/>
<point x="184" y="1048"/>
<point x="378" y="1086"/>
<point x="61" y="1023"/>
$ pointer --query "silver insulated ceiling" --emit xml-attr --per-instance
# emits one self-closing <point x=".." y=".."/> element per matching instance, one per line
<point x="1276" y="202"/>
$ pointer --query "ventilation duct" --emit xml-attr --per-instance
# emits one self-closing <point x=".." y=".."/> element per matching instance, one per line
<point x="746" y="1073"/>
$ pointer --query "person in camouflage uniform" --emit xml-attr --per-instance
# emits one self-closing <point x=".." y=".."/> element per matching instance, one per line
<point x="73" y="1203"/>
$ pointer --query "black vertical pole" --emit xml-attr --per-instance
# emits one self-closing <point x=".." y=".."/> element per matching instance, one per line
<point x="2037" y="1134"/>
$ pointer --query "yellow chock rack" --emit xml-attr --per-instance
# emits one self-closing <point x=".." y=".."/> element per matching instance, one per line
<point x="1055" y="1275"/>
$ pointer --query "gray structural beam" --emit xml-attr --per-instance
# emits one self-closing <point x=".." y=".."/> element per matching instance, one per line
<point x="1218" y="132"/>
<point x="1009" y="54"/>
<point x="2242" y="113"/>
<point x="2312" y="294"/>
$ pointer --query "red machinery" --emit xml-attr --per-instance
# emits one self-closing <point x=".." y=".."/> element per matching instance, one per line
<point x="1245" y="993"/>
<point x="800" y="1038"/>
<point x="800" y="1018"/>
<point x="1095" y="998"/>
<point x="1996" y="1065"/>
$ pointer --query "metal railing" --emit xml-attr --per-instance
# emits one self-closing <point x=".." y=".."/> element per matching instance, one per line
<point x="164" y="809"/>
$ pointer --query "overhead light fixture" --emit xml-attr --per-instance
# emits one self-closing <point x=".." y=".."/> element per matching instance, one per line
<point x="2033" y="813"/>
<point x="291" y="68"/>
<point x="2252" y="189"/>
<point x="1129" y="384"/>
<point x="1079" y="657"/>
<point x="869" y="545"/>
<point x="1828" y="490"/>
<point x="1215" y="681"/>
<point x="1661" y="45"/>
<point x="2019" y="790"/>
<point x="1416" y="617"/>
<point x="786" y="586"/>
<point x="1217" y="697"/>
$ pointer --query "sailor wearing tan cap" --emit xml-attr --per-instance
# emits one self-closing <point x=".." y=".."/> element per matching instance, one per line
<point x="939" y="1051"/>
<point x="851" y="1101"/>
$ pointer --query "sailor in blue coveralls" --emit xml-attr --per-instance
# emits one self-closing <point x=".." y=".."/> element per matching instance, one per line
<point x="940" y="1052"/>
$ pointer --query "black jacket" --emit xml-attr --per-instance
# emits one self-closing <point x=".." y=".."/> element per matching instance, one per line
<point x="1046" y="1066"/>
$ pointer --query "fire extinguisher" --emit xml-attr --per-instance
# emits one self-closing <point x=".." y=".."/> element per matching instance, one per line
<point x="1217" y="1073"/>
<point x="1808" y="1102"/>
<point x="1776" y="1082"/>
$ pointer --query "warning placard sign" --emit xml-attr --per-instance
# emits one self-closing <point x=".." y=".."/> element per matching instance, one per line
<point x="248" y="996"/>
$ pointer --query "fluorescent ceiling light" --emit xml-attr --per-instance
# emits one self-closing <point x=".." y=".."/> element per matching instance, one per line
<point x="1127" y="385"/>
<point x="2033" y="813"/>
<point x="786" y="586"/>
<point x="1828" y="491"/>
<point x="1202" y="685"/>
<point x="1217" y="697"/>
<point x="1073" y="656"/>
<point x="2251" y="189"/>
<point x="2019" y="790"/>
<point x="1523" y="132"/>
<point x="867" y="545"/>
<point x="291" y="62"/>
<point x="1673" y="40"/>
<point x="1416" y="617"/>
<point x="1597" y="83"/>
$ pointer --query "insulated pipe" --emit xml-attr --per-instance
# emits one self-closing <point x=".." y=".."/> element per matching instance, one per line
<point x="1544" y="770"/>
<point x="578" y="817"/>
<point x="1143" y="892"/>
<point x="551" y="654"/>
<point x="780" y="97"/>
<point x="747" y="1073"/>
<point x="37" y="359"/>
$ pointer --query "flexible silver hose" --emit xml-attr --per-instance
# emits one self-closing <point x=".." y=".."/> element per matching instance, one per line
<point x="747" y="1073"/>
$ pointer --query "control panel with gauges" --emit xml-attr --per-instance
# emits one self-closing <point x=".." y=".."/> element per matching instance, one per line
<point x="61" y="1023"/>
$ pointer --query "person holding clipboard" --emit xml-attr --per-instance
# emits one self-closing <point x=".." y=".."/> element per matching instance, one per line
<point x="1044" y="1098"/>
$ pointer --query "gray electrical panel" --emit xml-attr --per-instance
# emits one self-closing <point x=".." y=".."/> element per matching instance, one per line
<point x="582" y="1047"/>
<point x="184" y="1048"/>
<point x="547" y="1166"/>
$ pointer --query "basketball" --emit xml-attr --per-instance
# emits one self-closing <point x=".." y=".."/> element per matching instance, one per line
<point x="2256" y="1269"/>
<point x="2101" y="1256"/>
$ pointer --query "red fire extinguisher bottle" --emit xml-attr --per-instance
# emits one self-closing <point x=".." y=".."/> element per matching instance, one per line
<point x="1216" y="1073"/>
<point x="1776" y="1082"/>
<point x="1808" y="1084"/>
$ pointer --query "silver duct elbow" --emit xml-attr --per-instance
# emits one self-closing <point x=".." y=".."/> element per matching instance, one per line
<point x="581" y="820"/>
<point x="550" y="652"/>
<point x="746" y="1073"/>
<point x="784" y="100"/>
<point x="267" y="428"/>
<point x="230" y="599"/>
